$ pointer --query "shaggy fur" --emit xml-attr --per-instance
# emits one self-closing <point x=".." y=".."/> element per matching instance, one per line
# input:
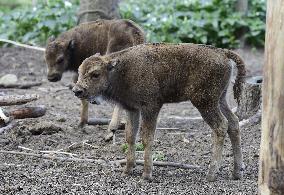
<point x="167" y="73"/>
<point x="69" y="50"/>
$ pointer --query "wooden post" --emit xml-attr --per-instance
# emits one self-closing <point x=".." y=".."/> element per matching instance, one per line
<point x="271" y="165"/>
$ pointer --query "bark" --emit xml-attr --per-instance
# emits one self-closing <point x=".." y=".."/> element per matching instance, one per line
<point x="91" y="10"/>
<point x="271" y="165"/>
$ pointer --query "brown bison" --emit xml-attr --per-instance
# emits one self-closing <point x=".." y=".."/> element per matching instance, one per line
<point x="143" y="78"/>
<point x="69" y="50"/>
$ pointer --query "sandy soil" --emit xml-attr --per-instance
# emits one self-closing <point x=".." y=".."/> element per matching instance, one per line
<point x="191" y="143"/>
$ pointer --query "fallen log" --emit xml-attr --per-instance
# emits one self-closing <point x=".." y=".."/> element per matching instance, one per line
<point x="100" y="161"/>
<point x="9" y="100"/>
<point x="28" y="112"/>
<point x="98" y="121"/>
<point x="21" y="86"/>
<point x="103" y="121"/>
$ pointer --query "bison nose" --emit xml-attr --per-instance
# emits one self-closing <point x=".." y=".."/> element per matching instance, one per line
<point x="78" y="91"/>
<point x="54" y="77"/>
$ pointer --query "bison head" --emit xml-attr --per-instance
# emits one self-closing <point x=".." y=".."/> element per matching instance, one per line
<point x="93" y="77"/>
<point x="58" y="57"/>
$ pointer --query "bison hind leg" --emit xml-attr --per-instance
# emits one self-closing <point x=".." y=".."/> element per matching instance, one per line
<point x="216" y="120"/>
<point x="234" y="135"/>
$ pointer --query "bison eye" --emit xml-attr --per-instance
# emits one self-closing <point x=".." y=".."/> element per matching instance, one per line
<point x="95" y="75"/>
<point x="59" y="60"/>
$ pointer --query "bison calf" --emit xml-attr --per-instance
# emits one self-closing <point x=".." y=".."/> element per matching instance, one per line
<point x="142" y="78"/>
<point x="69" y="50"/>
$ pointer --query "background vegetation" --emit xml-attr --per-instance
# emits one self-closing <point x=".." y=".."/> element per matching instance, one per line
<point x="199" y="21"/>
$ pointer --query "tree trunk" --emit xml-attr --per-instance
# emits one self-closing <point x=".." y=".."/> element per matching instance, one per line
<point x="242" y="7"/>
<point x="91" y="10"/>
<point x="250" y="98"/>
<point x="271" y="165"/>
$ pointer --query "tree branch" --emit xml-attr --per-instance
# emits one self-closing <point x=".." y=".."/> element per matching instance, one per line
<point x="22" y="45"/>
<point x="101" y="161"/>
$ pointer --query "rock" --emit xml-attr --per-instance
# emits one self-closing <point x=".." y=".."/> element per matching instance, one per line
<point x="45" y="128"/>
<point x="8" y="79"/>
<point x="4" y="142"/>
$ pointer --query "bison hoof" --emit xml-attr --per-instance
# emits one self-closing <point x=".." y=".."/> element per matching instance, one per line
<point x="128" y="171"/>
<point x="211" y="177"/>
<point x="82" y="124"/>
<point x="238" y="173"/>
<point x="147" y="176"/>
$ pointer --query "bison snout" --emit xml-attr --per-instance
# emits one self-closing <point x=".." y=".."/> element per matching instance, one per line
<point x="78" y="91"/>
<point x="54" y="77"/>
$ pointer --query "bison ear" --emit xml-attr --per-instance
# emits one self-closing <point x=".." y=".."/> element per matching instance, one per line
<point x="71" y="44"/>
<point x="97" y="55"/>
<point x="112" y="63"/>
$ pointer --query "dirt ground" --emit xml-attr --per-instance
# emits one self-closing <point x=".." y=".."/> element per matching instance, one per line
<point x="58" y="130"/>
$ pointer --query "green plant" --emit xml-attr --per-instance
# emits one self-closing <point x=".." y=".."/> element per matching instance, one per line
<point x="138" y="147"/>
<point x="35" y="25"/>
<point x="159" y="156"/>
<point x="209" y="21"/>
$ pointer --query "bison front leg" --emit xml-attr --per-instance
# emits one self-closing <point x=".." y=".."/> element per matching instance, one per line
<point x="84" y="113"/>
<point x="148" y="127"/>
<point x="84" y="105"/>
<point x="132" y="128"/>
<point x="114" y="123"/>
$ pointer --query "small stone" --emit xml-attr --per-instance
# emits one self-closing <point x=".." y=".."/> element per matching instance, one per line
<point x="8" y="79"/>
<point x="45" y="129"/>
<point x="4" y="142"/>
